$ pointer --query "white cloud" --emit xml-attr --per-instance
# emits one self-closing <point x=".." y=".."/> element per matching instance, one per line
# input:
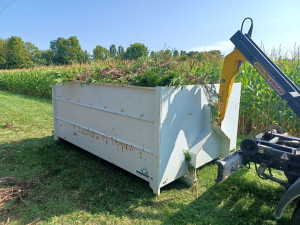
<point x="224" y="46"/>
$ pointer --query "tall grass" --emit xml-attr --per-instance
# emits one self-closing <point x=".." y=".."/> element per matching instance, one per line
<point x="260" y="105"/>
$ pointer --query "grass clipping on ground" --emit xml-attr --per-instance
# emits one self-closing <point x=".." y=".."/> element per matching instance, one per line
<point x="14" y="189"/>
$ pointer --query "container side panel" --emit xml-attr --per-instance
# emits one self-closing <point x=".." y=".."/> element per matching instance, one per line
<point x="209" y="151"/>
<point x="133" y="130"/>
<point x="181" y="123"/>
<point x="113" y="122"/>
<point x="138" y="101"/>
<point x="186" y="126"/>
<point x="134" y="160"/>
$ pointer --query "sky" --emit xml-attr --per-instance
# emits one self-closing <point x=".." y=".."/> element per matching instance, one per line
<point x="189" y="25"/>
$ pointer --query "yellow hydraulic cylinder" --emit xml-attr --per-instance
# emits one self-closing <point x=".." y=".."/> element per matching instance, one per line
<point x="231" y="67"/>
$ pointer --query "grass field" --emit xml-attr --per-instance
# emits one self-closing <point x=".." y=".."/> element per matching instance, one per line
<point x="66" y="185"/>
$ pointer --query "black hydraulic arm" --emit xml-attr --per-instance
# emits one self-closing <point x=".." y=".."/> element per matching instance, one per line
<point x="273" y="149"/>
<point x="284" y="87"/>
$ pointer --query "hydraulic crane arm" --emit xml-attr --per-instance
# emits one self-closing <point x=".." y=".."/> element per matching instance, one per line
<point x="247" y="50"/>
<point x="273" y="149"/>
<point x="231" y="67"/>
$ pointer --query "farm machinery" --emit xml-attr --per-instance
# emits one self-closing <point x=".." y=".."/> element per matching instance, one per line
<point x="273" y="149"/>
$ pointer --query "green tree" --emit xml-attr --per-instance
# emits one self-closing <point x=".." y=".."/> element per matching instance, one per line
<point x="3" y="54"/>
<point x="17" y="56"/>
<point x="168" y="53"/>
<point x="66" y="51"/>
<point x="47" y="57"/>
<point x="136" y="51"/>
<point x="33" y="53"/>
<point x="175" y="53"/>
<point x="216" y="54"/>
<point x="192" y="54"/>
<point x="86" y="56"/>
<point x="153" y="54"/>
<point x="100" y="53"/>
<point x="120" y="51"/>
<point x="182" y="53"/>
<point x="113" y="51"/>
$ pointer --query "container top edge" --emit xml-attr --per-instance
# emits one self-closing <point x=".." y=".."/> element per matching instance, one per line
<point x="138" y="87"/>
<point x="109" y="84"/>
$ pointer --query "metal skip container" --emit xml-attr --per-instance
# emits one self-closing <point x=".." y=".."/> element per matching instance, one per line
<point x="148" y="131"/>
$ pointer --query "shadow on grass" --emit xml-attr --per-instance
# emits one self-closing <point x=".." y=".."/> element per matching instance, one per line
<point x="241" y="202"/>
<point x="74" y="180"/>
<point x="71" y="179"/>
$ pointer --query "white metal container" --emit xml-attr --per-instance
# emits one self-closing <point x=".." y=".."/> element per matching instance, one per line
<point x="145" y="130"/>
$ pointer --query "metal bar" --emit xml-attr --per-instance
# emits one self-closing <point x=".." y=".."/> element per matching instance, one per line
<point x="281" y="182"/>
<point x="134" y="116"/>
<point x="285" y="88"/>
<point x="273" y="151"/>
<point x="254" y="54"/>
<point x="287" y="137"/>
<point x="283" y="76"/>
<point x="107" y="136"/>
<point x="277" y="147"/>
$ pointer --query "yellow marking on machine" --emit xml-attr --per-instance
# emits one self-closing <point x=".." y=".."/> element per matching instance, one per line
<point x="269" y="79"/>
<point x="262" y="71"/>
<point x="261" y="150"/>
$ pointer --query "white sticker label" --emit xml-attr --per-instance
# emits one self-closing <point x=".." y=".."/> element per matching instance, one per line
<point x="284" y="156"/>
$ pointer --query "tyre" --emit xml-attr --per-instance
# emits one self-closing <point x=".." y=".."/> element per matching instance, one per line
<point x="296" y="215"/>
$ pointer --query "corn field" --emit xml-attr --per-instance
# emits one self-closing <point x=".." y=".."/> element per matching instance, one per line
<point x="260" y="105"/>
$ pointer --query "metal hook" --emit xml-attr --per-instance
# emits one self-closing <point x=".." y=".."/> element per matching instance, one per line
<point x="251" y="27"/>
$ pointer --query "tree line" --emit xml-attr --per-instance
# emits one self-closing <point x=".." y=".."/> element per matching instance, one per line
<point x="15" y="53"/>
